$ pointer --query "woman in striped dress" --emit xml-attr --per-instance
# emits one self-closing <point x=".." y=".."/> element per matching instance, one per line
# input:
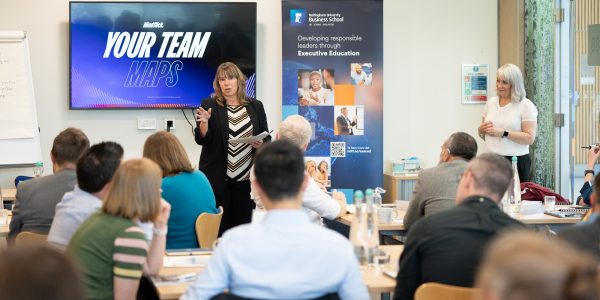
<point x="109" y="247"/>
<point x="229" y="114"/>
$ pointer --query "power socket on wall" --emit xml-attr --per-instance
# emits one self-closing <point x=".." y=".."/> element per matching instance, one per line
<point x="146" y="124"/>
<point x="169" y="123"/>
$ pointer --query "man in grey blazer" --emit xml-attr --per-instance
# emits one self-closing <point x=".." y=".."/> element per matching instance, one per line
<point x="435" y="189"/>
<point x="37" y="198"/>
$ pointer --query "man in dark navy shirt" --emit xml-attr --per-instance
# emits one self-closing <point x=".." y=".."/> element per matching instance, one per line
<point x="447" y="247"/>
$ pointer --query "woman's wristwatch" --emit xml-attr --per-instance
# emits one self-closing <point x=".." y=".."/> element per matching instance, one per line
<point x="505" y="134"/>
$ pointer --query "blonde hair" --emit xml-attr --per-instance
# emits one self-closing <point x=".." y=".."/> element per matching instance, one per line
<point x="230" y="70"/>
<point x="135" y="191"/>
<point x="311" y="163"/>
<point x="296" y="129"/>
<point x="167" y="151"/>
<point x="523" y="265"/>
<point x="512" y="74"/>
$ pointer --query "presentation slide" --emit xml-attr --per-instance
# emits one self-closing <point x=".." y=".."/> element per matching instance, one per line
<point x="156" y="55"/>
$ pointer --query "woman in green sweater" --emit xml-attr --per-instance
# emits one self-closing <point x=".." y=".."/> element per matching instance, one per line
<point x="110" y="248"/>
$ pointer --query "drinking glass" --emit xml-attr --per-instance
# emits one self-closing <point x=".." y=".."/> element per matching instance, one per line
<point x="401" y="207"/>
<point x="381" y="259"/>
<point x="549" y="203"/>
<point x="3" y="216"/>
<point x="385" y="214"/>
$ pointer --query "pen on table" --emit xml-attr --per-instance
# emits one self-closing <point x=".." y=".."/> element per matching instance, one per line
<point x="187" y="277"/>
<point x="588" y="147"/>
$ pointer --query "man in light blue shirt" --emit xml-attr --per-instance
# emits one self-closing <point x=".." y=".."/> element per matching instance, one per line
<point x="94" y="171"/>
<point x="358" y="76"/>
<point x="284" y="256"/>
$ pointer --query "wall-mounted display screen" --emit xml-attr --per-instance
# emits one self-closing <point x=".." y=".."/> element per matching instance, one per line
<point x="155" y="54"/>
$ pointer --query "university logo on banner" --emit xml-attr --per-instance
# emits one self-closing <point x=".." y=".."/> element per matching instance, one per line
<point x="298" y="17"/>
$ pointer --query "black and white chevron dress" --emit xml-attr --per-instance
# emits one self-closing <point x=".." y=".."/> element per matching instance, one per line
<point x="239" y="156"/>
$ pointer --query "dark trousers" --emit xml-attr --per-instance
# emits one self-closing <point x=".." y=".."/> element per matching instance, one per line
<point x="523" y="165"/>
<point x="237" y="205"/>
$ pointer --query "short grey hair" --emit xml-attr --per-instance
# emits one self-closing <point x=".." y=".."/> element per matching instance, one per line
<point x="296" y="129"/>
<point x="512" y="74"/>
<point x="462" y="144"/>
<point x="492" y="173"/>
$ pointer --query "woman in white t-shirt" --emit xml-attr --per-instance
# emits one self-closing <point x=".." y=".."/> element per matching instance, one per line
<point x="509" y="121"/>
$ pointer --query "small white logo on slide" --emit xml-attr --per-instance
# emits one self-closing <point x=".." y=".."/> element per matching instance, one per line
<point x="153" y="25"/>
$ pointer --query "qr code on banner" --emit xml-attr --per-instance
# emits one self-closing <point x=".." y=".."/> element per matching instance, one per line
<point x="338" y="149"/>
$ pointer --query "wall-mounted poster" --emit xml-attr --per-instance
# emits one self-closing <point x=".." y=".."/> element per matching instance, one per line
<point x="474" y="83"/>
<point x="333" y="77"/>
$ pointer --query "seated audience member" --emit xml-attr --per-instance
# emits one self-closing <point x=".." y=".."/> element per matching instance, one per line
<point x="36" y="199"/>
<point x="435" y="189"/>
<point x="34" y="272"/>
<point x="586" y="237"/>
<point x="109" y="248"/>
<point x="528" y="266"/>
<point x="317" y="203"/>
<point x="586" y="189"/>
<point x="284" y="256"/>
<point x="447" y="247"/>
<point x="94" y="171"/>
<point x="187" y="190"/>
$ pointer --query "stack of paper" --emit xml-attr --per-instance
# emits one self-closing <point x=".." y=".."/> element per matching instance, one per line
<point x="185" y="261"/>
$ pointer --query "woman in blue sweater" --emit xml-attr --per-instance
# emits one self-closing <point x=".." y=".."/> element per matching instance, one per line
<point x="187" y="190"/>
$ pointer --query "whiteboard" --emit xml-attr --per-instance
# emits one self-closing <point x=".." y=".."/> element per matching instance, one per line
<point x="19" y="133"/>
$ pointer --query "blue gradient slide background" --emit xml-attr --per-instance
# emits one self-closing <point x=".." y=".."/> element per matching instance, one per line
<point x="98" y="82"/>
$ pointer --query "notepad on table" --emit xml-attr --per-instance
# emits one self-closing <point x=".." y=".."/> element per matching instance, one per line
<point x="189" y="251"/>
<point x="186" y="261"/>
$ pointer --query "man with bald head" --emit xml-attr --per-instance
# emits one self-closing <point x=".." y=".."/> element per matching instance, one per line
<point x="358" y="76"/>
<point x="447" y="247"/>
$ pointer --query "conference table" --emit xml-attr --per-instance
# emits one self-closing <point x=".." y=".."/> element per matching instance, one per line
<point x="540" y="221"/>
<point x="377" y="282"/>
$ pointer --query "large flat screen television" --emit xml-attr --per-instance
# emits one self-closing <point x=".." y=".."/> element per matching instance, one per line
<point x="156" y="54"/>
